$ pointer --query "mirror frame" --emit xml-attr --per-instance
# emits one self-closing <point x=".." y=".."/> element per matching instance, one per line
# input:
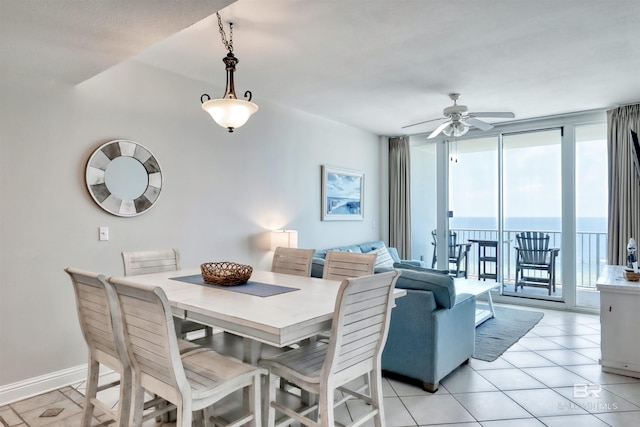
<point x="96" y="169"/>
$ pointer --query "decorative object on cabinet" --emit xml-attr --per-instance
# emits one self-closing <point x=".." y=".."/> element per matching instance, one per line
<point x="342" y="194"/>
<point x="124" y="178"/>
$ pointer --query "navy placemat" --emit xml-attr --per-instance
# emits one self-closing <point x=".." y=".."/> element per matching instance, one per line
<point x="258" y="289"/>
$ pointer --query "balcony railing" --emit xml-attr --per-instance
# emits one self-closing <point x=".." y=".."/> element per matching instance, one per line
<point x="591" y="253"/>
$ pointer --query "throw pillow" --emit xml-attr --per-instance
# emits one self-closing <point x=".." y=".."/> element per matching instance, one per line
<point x="383" y="258"/>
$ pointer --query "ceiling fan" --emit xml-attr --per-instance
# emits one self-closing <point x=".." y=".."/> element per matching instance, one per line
<point x="459" y="119"/>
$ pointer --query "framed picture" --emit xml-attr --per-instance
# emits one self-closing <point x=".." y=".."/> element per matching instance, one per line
<point x="342" y="194"/>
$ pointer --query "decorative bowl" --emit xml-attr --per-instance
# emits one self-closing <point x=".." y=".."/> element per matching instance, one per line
<point x="630" y="275"/>
<point x="225" y="273"/>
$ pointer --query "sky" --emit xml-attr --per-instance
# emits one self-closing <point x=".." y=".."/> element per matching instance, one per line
<point x="532" y="180"/>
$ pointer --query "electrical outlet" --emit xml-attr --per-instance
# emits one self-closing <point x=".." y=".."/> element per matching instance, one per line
<point x="103" y="233"/>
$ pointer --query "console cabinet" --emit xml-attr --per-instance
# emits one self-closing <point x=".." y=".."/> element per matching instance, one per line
<point x="620" y="329"/>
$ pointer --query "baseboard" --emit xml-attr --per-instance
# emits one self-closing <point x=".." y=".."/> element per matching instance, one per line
<point x="33" y="386"/>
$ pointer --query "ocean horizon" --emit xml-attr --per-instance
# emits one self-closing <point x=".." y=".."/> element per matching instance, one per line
<point x="554" y="224"/>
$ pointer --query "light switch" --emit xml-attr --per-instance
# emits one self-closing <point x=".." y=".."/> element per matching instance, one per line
<point x="104" y="233"/>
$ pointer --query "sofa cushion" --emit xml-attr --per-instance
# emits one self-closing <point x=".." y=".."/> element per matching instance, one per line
<point x="369" y="246"/>
<point x="442" y="285"/>
<point x="352" y="248"/>
<point x="383" y="258"/>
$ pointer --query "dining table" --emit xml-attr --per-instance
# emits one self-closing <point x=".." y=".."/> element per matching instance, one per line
<point x="272" y="308"/>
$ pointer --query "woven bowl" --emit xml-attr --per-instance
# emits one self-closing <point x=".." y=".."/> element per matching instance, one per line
<point x="225" y="273"/>
<point x="630" y="275"/>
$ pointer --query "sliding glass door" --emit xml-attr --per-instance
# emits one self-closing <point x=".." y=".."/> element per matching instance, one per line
<point x="532" y="214"/>
<point x="493" y="188"/>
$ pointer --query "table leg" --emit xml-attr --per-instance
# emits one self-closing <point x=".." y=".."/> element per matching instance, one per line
<point x="251" y="353"/>
<point x="490" y="302"/>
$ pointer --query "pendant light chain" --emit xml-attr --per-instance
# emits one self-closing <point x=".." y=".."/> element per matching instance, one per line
<point x="223" y="36"/>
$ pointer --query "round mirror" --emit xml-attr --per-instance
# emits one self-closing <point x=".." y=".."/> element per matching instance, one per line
<point x="124" y="178"/>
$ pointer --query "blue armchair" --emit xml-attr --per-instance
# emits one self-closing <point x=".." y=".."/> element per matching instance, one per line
<point x="432" y="329"/>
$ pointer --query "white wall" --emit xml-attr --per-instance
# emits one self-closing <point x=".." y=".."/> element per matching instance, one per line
<point x="221" y="193"/>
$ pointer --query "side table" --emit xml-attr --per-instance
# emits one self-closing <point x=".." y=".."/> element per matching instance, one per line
<point x="487" y="253"/>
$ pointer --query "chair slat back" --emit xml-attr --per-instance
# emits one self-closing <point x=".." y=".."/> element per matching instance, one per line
<point x="533" y="246"/>
<point x="453" y="241"/>
<point x="292" y="261"/>
<point x="345" y="265"/>
<point x="146" y="262"/>
<point x="360" y="324"/>
<point x="150" y="335"/>
<point x="99" y="318"/>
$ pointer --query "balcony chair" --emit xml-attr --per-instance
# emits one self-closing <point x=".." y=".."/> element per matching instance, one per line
<point x="458" y="255"/>
<point x="101" y="325"/>
<point x="358" y="334"/>
<point x="147" y="262"/>
<point x="192" y="382"/>
<point x="344" y="265"/>
<point x="292" y="261"/>
<point x="534" y="255"/>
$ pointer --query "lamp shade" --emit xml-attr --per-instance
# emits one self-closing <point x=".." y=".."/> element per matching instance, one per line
<point x="230" y="113"/>
<point x="284" y="239"/>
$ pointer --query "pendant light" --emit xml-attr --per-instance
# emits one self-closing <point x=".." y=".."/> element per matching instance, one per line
<point x="229" y="111"/>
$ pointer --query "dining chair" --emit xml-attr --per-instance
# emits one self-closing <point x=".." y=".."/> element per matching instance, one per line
<point x="358" y="334"/>
<point x="343" y="265"/>
<point x="101" y="325"/>
<point x="193" y="382"/>
<point x="158" y="261"/>
<point x="292" y="261"/>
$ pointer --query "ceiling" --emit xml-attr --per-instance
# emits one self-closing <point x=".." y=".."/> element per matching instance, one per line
<point x="374" y="64"/>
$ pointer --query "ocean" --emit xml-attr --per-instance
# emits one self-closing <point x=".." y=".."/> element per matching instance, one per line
<point x="551" y="224"/>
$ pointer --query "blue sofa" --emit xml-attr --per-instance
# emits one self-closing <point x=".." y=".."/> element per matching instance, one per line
<point x="319" y="256"/>
<point x="432" y="330"/>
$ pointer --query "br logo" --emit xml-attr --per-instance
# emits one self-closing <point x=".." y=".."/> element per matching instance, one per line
<point x="581" y="391"/>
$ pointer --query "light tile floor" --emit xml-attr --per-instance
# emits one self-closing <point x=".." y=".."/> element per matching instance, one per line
<point x="551" y="377"/>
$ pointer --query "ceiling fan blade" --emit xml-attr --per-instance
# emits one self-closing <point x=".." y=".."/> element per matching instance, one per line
<point x="419" y="123"/>
<point x="478" y="123"/>
<point x="503" y="114"/>
<point x="439" y="129"/>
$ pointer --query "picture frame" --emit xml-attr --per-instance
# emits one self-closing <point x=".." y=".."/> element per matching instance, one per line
<point x="342" y="194"/>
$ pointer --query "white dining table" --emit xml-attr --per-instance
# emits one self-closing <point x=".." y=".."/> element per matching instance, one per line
<point x="278" y="320"/>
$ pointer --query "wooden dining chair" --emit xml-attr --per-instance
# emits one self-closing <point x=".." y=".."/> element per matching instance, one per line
<point x="193" y="382"/>
<point x="101" y="325"/>
<point x="292" y="261"/>
<point x="343" y="265"/>
<point x="158" y="261"/>
<point x="102" y="330"/>
<point x="358" y="334"/>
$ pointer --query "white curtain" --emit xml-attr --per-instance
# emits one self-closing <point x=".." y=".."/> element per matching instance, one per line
<point x="624" y="183"/>
<point x="400" y="195"/>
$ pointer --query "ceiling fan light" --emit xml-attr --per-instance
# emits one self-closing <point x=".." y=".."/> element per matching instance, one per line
<point x="455" y="129"/>
<point x="230" y="113"/>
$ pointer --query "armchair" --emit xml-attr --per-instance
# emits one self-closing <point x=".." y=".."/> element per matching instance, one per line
<point x="534" y="255"/>
<point x="458" y="255"/>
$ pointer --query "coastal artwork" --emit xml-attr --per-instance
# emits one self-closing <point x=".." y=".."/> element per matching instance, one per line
<point x="342" y="194"/>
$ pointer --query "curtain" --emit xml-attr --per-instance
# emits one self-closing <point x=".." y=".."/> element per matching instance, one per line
<point x="400" y="196"/>
<point x="624" y="183"/>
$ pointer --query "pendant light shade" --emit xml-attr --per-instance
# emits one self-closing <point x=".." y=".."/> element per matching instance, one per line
<point x="230" y="113"/>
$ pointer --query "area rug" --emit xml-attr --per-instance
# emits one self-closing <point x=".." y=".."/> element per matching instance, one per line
<point x="496" y="335"/>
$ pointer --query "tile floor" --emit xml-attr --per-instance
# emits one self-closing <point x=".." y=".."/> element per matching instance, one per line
<point x="551" y="377"/>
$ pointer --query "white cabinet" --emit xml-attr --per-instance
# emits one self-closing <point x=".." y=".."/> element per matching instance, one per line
<point x="619" y="322"/>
